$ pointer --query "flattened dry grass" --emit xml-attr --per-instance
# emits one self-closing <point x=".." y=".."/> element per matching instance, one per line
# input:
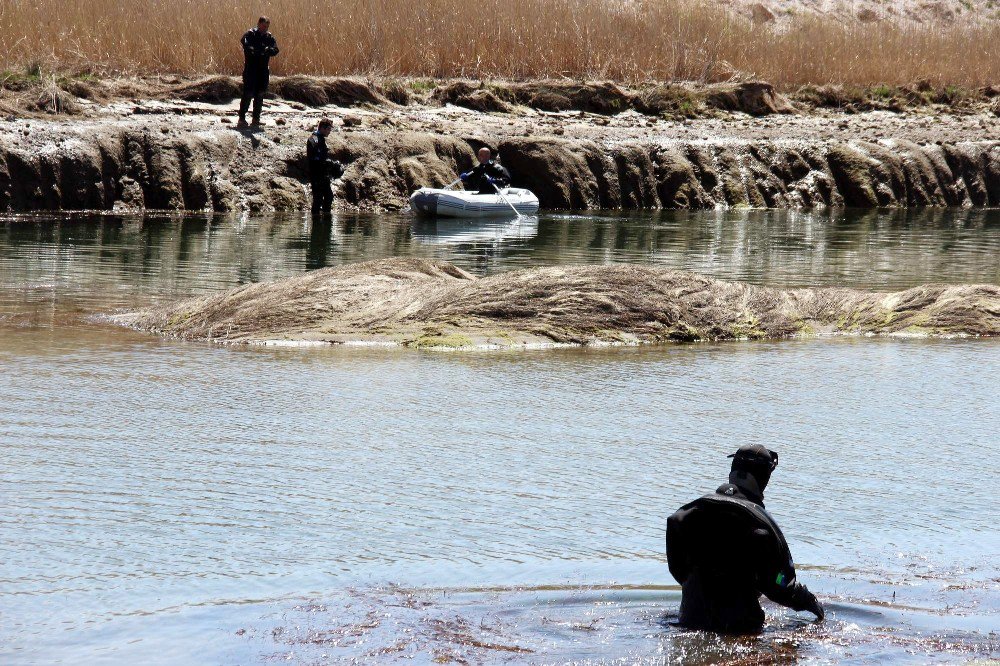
<point x="624" y="40"/>
<point x="430" y="303"/>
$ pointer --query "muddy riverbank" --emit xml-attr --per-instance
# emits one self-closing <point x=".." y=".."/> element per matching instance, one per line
<point x="427" y="303"/>
<point x="577" y="146"/>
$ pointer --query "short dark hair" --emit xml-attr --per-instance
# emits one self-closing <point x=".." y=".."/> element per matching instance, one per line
<point x="326" y="122"/>
<point x="263" y="19"/>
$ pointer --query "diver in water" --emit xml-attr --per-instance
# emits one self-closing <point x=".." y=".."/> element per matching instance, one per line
<point x="485" y="175"/>
<point x="725" y="550"/>
<point x="259" y="46"/>
<point x="321" y="168"/>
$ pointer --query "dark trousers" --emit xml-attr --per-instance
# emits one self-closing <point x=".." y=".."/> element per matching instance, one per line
<point x="254" y="87"/>
<point x="322" y="194"/>
<point x="713" y="602"/>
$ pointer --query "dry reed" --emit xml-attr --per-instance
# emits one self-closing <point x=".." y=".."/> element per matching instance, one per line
<point x="625" y="40"/>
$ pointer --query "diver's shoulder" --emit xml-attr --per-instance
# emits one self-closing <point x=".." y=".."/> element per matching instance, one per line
<point x="729" y="490"/>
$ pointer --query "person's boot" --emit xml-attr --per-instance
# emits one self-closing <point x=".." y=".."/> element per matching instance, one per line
<point x="244" y="107"/>
<point x="258" y="105"/>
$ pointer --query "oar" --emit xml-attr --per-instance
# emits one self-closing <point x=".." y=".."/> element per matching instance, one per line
<point x="451" y="185"/>
<point x="506" y="201"/>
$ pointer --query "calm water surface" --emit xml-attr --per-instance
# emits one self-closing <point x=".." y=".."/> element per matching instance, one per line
<point x="171" y="502"/>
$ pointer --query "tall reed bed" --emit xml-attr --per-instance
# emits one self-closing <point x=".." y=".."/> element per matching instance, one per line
<point x="625" y="40"/>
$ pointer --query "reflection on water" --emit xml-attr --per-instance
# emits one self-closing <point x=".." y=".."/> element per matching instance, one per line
<point x="122" y="260"/>
<point x="175" y="502"/>
<point x="487" y="233"/>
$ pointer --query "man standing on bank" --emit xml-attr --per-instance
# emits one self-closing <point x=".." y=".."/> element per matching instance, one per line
<point x="321" y="167"/>
<point x="725" y="550"/>
<point x="259" y="46"/>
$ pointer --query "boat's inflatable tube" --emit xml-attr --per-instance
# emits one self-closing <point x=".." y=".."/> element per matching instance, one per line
<point x="428" y="202"/>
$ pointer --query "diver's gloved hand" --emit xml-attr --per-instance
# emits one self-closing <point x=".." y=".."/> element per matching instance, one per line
<point x="464" y="176"/>
<point x="334" y="168"/>
<point x="815" y="607"/>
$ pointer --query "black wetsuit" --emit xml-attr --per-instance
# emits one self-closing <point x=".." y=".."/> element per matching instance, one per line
<point x="476" y="180"/>
<point x="320" y="165"/>
<point x="258" y="49"/>
<point x="725" y="550"/>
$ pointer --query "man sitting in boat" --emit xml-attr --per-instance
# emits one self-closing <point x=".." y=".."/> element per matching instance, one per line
<point x="486" y="175"/>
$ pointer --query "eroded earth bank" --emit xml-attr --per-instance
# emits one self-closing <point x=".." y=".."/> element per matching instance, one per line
<point x="427" y="303"/>
<point x="578" y="146"/>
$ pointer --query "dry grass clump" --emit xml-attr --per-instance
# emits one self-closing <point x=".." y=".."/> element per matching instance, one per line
<point x="212" y="89"/>
<point x="623" y="40"/>
<point x="424" y="302"/>
<point x="35" y="91"/>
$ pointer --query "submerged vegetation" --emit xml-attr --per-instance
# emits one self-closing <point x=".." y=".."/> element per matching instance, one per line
<point x="623" y="40"/>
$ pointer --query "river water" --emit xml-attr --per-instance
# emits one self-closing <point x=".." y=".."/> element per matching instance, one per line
<point x="172" y="502"/>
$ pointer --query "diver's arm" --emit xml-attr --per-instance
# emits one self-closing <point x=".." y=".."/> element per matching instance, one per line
<point x="472" y="177"/>
<point x="677" y="555"/>
<point x="776" y="580"/>
<point x="312" y="149"/>
<point x="796" y="596"/>
<point x="501" y="177"/>
<point x="248" y="49"/>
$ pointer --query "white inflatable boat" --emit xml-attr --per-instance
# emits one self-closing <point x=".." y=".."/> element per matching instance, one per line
<point x="428" y="202"/>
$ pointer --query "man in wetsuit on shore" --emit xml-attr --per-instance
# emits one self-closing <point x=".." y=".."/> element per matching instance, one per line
<point x="259" y="46"/>
<point x="321" y="167"/>
<point x="725" y="550"/>
<point x="485" y="175"/>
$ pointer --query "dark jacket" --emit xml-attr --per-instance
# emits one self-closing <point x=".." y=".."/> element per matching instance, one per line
<point x="725" y="550"/>
<point x="476" y="179"/>
<point x="318" y="156"/>
<point x="258" y="49"/>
